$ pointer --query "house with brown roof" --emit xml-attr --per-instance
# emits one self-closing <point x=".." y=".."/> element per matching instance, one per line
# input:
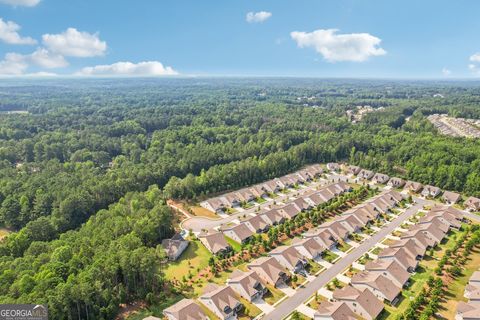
<point x="287" y="181"/>
<point x="174" y="247"/>
<point x="413" y="186"/>
<point x="315" y="170"/>
<point x="401" y="255"/>
<point x="361" y="301"/>
<point x="302" y="204"/>
<point x="334" y="311"/>
<point x="305" y="175"/>
<point x="216" y="205"/>
<point x="270" y="271"/>
<point x="185" y="309"/>
<point x="351" y="223"/>
<point x="247" y="285"/>
<point x="290" y="211"/>
<point x="323" y="236"/>
<point x="396" y="182"/>
<point x="380" y="178"/>
<point x="273" y="217"/>
<point x="309" y="247"/>
<point x="240" y="233"/>
<point x="233" y="199"/>
<point x="290" y="258"/>
<point x="472" y="204"/>
<point x="354" y="170"/>
<point x="434" y="230"/>
<point x="272" y="186"/>
<point x="391" y="269"/>
<point x="431" y="191"/>
<point x="333" y="166"/>
<point x="336" y="228"/>
<point x="222" y="301"/>
<point x="445" y="216"/>
<point x="458" y="214"/>
<point x="420" y="237"/>
<point x="341" y="186"/>
<point x="365" y="174"/>
<point x="320" y="197"/>
<point x="257" y="224"/>
<point x="245" y="195"/>
<point x="382" y="287"/>
<point x="215" y="242"/>
<point x="415" y="248"/>
<point x="467" y="311"/>
<point x="451" y="197"/>
<point x="472" y="290"/>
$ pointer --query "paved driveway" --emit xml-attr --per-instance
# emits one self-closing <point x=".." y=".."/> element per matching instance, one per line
<point x="301" y="295"/>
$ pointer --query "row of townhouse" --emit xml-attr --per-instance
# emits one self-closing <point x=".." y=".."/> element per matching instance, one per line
<point x="242" y="232"/>
<point x="449" y="197"/>
<point x="229" y="200"/>
<point x="383" y="279"/>
<point x="277" y="268"/>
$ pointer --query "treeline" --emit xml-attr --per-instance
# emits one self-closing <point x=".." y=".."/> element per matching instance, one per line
<point x="114" y="258"/>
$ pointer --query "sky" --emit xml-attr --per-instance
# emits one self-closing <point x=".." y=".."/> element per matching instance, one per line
<point x="311" y="38"/>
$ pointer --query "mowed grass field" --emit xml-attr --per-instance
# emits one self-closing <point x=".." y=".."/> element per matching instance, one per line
<point x="195" y="257"/>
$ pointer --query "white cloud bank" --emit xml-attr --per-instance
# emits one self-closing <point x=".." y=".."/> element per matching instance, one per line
<point x="256" y="17"/>
<point x="335" y="47"/>
<point x="474" y="66"/>
<point x="74" y="43"/>
<point x="17" y="64"/>
<point x="145" y="68"/>
<point x="9" y="33"/>
<point x="446" y="72"/>
<point x="23" y="3"/>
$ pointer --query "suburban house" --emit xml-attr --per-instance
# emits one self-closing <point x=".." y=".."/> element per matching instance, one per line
<point x="361" y="302"/>
<point x="302" y="204"/>
<point x="305" y="175"/>
<point x="324" y="237"/>
<point x="354" y="170"/>
<point x="184" y="309"/>
<point x="390" y="269"/>
<point x="287" y="181"/>
<point x="402" y="256"/>
<point x="472" y="204"/>
<point x="240" y="233"/>
<point x="289" y="211"/>
<point x="222" y="301"/>
<point x="413" y="186"/>
<point x="175" y="246"/>
<point x="382" y="287"/>
<point x="415" y="248"/>
<point x="247" y="285"/>
<point x="273" y="217"/>
<point x="472" y="290"/>
<point x="257" y="224"/>
<point x="334" y="311"/>
<point x="396" y="182"/>
<point x="467" y="311"/>
<point x="333" y="166"/>
<point x="320" y="197"/>
<point x="245" y="195"/>
<point x="419" y="237"/>
<point x="435" y="231"/>
<point x="336" y="229"/>
<point x="451" y="197"/>
<point x="351" y="223"/>
<point x="360" y="215"/>
<point x="272" y="186"/>
<point x="233" y="199"/>
<point x="290" y="258"/>
<point x="450" y="211"/>
<point x="315" y="170"/>
<point x="365" y="174"/>
<point x="380" y="178"/>
<point x="215" y="242"/>
<point x="309" y="247"/>
<point x="270" y="271"/>
<point x="216" y="205"/>
<point x="431" y="191"/>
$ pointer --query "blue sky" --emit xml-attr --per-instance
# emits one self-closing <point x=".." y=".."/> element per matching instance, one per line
<point x="373" y="38"/>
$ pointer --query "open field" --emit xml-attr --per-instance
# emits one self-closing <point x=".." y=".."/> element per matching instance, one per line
<point x="195" y="257"/>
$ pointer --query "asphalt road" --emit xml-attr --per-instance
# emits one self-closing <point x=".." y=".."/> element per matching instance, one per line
<point x="291" y="303"/>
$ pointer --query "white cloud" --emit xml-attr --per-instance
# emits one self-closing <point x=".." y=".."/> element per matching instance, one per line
<point x="334" y="47"/>
<point x="13" y="64"/>
<point x="475" y="57"/>
<point x="74" y="43"/>
<point x="446" y="72"/>
<point x="9" y="33"/>
<point x="254" y="17"/>
<point x="24" y="3"/>
<point x="145" y="68"/>
<point x="46" y="59"/>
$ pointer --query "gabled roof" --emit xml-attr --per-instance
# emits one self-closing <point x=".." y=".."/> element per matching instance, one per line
<point x="416" y="248"/>
<point x="396" y="182"/>
<point x="247" y="280"/>
<point x="413" y="186"/>
<point x="336" y="228"/>
<point x="269" y="266"/>
<point x="221" y="297"/>
<point x="468" y="310"/>
<point x="215" y="241"/>
<point x="392" y="267"/>
<point x="403" y="257"/>
<point x="311" y="245"/>
<point x="240" y="230"/>
<point x="186" y="309"/>
<point x="301" y="203"/>
<point x="365" y="298"/>
<point x="354" y="169"/>
<point x="256" y="223"/>
<point x="379" y="282"/>
<point x="289" y="211"/>
<point x="380" y="177"/>
<point x="290" y="254"/>
<point x="472" y="202"/>
<point x="451" y="197"/>
<point x="335" y="311"/>
<point x="365" y="174"/>
<point x="272" y="216"/>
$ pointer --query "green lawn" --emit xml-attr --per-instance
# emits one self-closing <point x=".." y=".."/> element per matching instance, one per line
<point x="260" y="200"/>
<point x="377" y="250"/>
<point x="273" y="295"/>
<point x="344" y="247"/>
<point x="249" y="311"/>
<point x="237" y="247"/>
<point x="195" y="257"/>
<point x="329" y="256"/>
<point x="313" y="267"/>
<point x="155" y="310"/>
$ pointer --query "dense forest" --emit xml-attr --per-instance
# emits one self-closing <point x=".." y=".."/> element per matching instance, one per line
<point x="86" y="166"/>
